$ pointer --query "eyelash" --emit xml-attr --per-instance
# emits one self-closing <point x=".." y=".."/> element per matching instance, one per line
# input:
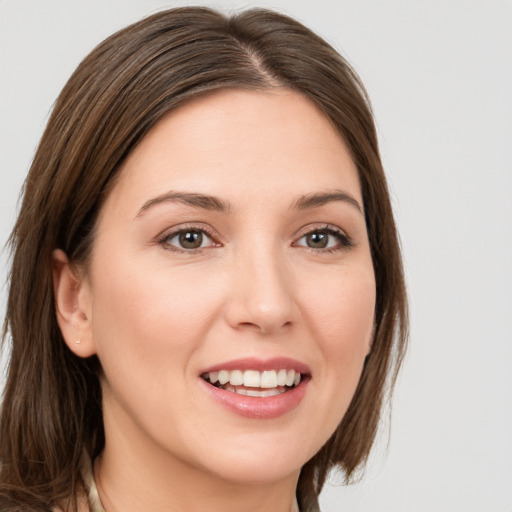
<point x="164" y="239"/>
<point x="344" y="241"/>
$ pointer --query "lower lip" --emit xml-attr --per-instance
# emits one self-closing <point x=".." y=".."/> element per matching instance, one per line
<point x="269" y="407"/>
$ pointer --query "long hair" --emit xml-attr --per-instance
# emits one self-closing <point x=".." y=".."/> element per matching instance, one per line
<point x="52" y="410"/>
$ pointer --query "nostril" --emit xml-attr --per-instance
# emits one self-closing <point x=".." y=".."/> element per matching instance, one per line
<point x="265" y="327"/>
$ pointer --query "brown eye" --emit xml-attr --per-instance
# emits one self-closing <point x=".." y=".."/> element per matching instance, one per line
<point x="317" y="240"/>
<point x="328" y="238"/>
<point x="188" y="240"/>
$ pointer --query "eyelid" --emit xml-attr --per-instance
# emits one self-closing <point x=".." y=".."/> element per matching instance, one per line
<point x="345" y="242"/>
<point x="176" y="230"/>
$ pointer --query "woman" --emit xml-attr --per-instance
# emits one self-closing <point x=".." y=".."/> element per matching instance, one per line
<point x="207" y="302"/>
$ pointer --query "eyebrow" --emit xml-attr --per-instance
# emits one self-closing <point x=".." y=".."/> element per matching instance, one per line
<point x="202" y="201"/>
<point x="213" y="203"/>
<point x="319" y="199"/>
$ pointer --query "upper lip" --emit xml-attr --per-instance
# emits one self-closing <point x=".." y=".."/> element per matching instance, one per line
<point x="253" y="363"/>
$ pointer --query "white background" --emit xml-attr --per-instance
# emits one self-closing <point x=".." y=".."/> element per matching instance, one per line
<point x="440" y="76"/>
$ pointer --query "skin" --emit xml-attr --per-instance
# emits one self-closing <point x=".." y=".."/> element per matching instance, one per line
<point x="157" y="315"/>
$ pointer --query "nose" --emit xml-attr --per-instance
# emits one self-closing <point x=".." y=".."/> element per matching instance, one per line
<point x="262" y="295"/>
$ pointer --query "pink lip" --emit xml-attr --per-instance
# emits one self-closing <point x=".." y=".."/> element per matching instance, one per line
<point x="259" y="407"/>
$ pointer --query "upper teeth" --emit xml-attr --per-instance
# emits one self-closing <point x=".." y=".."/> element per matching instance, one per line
<point x="254" y="378"/>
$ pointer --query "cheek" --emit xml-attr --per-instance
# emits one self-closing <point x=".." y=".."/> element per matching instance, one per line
<point x="151" y="296"/>
<point x="150" y="314"/>
<point x="148" y="322"/>
<point x="341" y="309"/>
<point x="342" y="316"/>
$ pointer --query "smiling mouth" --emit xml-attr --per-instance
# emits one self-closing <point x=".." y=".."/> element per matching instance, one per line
<point x="254" y="383"/>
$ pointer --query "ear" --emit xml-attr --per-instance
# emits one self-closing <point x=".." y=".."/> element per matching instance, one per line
<point x="73" y="305"/>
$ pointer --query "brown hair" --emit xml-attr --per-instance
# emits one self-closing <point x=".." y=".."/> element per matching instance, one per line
<point x="52" y="403"/>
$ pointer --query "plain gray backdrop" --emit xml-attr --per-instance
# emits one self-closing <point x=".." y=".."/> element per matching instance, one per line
<point x="439" y="73"/>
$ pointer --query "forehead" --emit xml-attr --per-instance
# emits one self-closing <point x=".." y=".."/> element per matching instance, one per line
<point x="236" y="144"/>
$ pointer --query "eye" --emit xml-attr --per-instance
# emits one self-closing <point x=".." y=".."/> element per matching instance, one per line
<point x="188" y="239"/>
<point x="327" y="238"/>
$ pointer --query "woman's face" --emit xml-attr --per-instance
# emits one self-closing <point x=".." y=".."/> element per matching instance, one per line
<point x="233" y="247"/>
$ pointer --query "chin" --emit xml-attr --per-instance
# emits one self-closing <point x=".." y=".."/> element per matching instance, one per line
<point x="257" y="472"/>
<point x="259" y="460"/>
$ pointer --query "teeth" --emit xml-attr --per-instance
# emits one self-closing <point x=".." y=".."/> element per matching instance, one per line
<point x="252" y="379"/>
<point x="269" y="380"/>
<point x="236" y="378"/>
<point x="281" y="378"/>
<point x="260" y="393"/>
<point x="223" y="376"/>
